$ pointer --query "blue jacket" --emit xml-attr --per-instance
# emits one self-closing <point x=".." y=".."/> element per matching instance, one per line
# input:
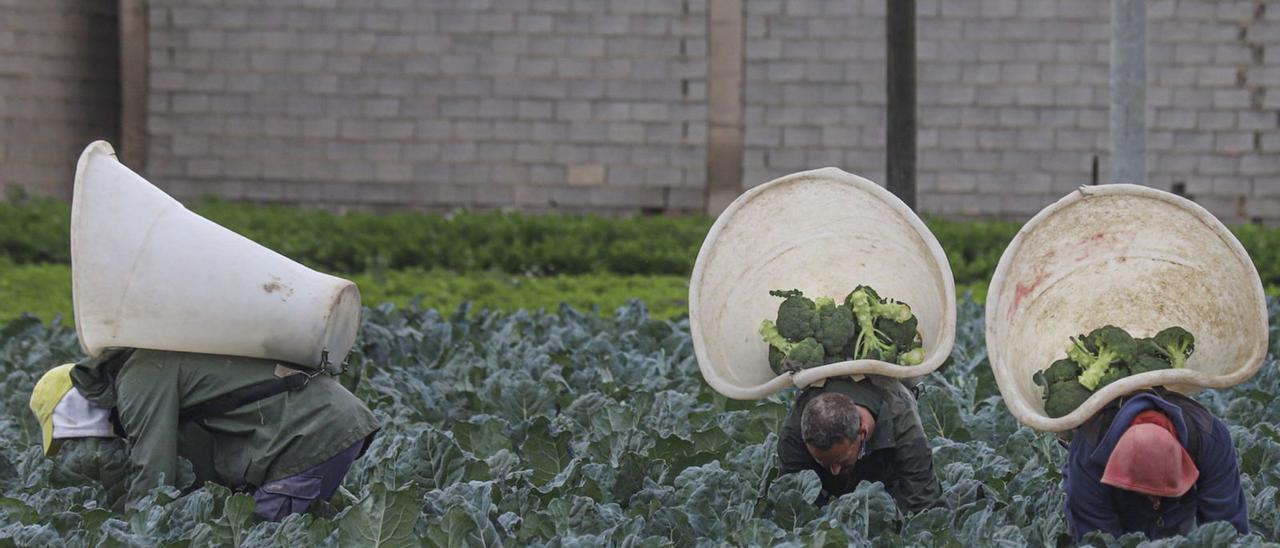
<point x="1216" y="496"/>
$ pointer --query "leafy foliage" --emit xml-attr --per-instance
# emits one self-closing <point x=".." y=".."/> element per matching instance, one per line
<point x="45" y="290"/>
<point x="574" y="429"/>
<point x="34" y="230"/>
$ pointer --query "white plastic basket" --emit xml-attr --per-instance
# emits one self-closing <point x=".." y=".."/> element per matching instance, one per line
<point x="823" y="232"/>
<point x="1130" y="256"/>
<point x="148" y="273"/>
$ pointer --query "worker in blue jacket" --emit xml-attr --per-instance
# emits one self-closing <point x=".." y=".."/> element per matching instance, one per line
<point x="1156" y="462"/>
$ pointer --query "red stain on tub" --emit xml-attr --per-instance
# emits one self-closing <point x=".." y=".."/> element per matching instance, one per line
<point x="1104" y="243"/>
<point x="1023" y="289"/>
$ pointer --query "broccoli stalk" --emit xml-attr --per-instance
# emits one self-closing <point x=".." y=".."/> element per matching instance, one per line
<point x="869" y="340"/>
<point x="1113" y="345"/>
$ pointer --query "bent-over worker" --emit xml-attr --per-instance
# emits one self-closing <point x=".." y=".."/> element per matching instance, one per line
<point x="289" y="446"/>
<point x="853" y="431"/>
<point x="1156" y="462"/>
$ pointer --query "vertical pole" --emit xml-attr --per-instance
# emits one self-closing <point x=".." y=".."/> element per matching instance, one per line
<point x="724" y="103"/>
<point x="900" y="20"/>
<point x="1128" y="91"/>
<point x="133" y="83"/>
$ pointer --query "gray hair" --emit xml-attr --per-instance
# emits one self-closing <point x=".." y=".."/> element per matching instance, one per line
<point x="828" y="418"/>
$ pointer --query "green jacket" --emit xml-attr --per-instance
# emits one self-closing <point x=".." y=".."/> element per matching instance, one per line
<point x="898" y="452"/>
<point x="259" y="442"/>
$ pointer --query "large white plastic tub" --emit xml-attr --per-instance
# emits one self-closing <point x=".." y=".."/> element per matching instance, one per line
<point x="148" y="273"/>
<point x="1133" y="257"/>
<point x="824" y="232"/>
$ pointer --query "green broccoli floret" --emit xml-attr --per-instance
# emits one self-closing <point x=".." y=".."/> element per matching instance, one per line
<point x="901" y="334"/>
<point x="1113" y="374"/>
<point x="1113" y="345"/>
<point x="912" y="357"/>
<point x="835" y="326"/>
<point x="789" y="356"/>
<point x="1064" y="397"/>
<point x="797" y="315"/>
<point x="1062" y="371"/>
<point x="776" y="356"/>
<point x="1148" y="363"/>
<point x="805" y="354"/>
<point x="1175" y="344"/>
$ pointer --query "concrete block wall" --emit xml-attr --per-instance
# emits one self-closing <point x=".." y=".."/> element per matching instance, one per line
<point x="602" y="104"/>
<point x="58" y="89"/>
<point x="540" y="105"/>
<point x="1013" y="99"/>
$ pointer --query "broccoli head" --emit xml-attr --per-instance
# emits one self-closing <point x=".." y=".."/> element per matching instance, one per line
<point x="1113" y="345"/>
<point x="869" y="341"/>
<point x="901" y="334"/>
<point x="805" y="354"/>
<point x="1113" y="374"/>
<point x="797" y="315"/>
<point x="1175" y="344"/>
<point x="1061" y="398"/>
<point x="835" y="326"/>
<point x="785" y="355"/>
<point x="1148" y="363"/>
<point x="1062" y="371"/>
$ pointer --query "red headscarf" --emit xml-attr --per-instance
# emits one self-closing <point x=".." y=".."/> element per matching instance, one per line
<point x="1148" y="459"/>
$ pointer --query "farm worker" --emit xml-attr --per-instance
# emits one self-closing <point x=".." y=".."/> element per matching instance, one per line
<point x="1158" y="463"/>
<point x="852" y="431"/>
<point x="251" y="424"/>
<point x="78" y="433"/>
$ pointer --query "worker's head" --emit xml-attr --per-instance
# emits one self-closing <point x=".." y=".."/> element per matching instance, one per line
<point x="1149" y="459"/>
<point x="833" y="431"/>
<point x="63" y="413"/>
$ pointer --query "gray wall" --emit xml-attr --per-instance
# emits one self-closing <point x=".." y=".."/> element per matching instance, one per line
<point x="542" y="105"/>
<point x="58" y="89"/>
<point x="601" y="104"/>
<point x="1013" y="99"/>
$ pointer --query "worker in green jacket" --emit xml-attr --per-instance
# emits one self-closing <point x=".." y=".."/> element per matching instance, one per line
<point x="78" y="437"/>
<point x="289" y="449"/>
<point x="867" y="430"/>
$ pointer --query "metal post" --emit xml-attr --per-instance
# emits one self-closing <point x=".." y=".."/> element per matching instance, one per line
<point x="133" y="83"/>
<point x="725" y="21"/>
<point x="900" y="26"/>
<point x="1128" y="91"/>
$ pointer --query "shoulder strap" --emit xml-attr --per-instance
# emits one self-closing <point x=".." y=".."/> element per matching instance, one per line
<point x="232" y="400"/>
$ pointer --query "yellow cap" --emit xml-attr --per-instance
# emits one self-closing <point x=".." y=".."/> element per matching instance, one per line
<point x="49" y="391"/>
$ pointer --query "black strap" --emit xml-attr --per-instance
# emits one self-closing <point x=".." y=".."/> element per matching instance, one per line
<point x="232" y="400"/>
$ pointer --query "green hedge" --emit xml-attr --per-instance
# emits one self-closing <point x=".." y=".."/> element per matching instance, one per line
<point x="34" y="231"/>
<point x="45" y="291"/>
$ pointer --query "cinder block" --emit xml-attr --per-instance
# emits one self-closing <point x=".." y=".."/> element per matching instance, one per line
<point x="1234" y="142"/>
<point x="586" y="174"/>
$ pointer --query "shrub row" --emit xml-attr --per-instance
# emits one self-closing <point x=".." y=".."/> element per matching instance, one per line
<point x="35" y="231"/>
<point x="45" y="291"/>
